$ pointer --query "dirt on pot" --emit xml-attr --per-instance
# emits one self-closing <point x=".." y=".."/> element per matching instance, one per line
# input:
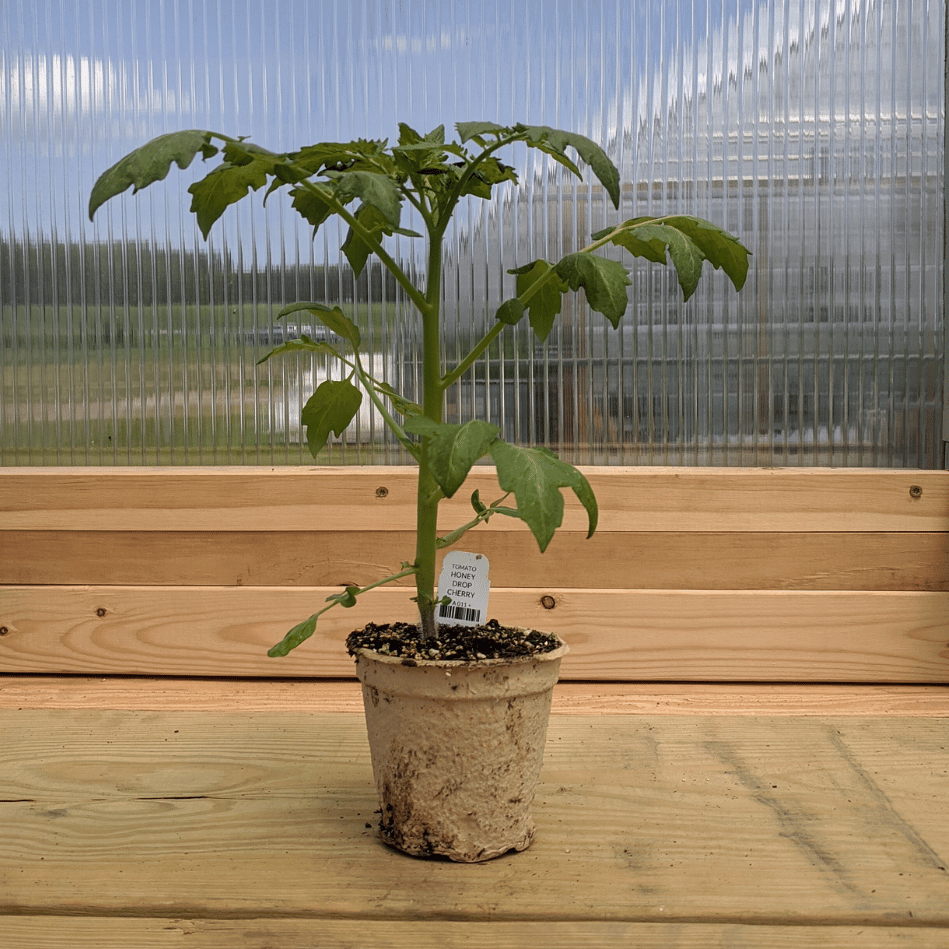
<point x="466" y="643"/>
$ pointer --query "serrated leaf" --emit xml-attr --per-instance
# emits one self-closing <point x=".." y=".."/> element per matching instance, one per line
<point x="330" y="316"/>
<point x="684" y="253"/>
<point x="535" y="477"/>
<point x="555" y="142"/>
<point x="224" y="186"/>
<point x="547" y="300"/>
<point x="473" y="130"/>
<point x="243" y="153"/>
<point x="408" y="135"/>
<point x="300" y="633"/>
<point x="149" y="163"/>
<point x="604" y="282"/>
<point x="309" y="204"/>
<point x="489" y="173"/>
<point x="722" y="250"/>
<point x="689" y="241"/>
<point x="375" y="190"/>
<point x="453" y="449"/>
<point x="355" y="248"/>
<point x="304" y="344"/>
<point x="315" y="157"/>
<point x="331" y="408"/>
<point x="628" y="236"/>
<point x="402" y="405"/>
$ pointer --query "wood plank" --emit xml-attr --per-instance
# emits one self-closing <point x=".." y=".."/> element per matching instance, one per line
<point x="721" y="820"/>
<point x="613" y="635"/>
<point x="584" y="698"/>
<point x="77" y="932"/>
<point x="610" y="559"/>
<point x="297" y="499"/>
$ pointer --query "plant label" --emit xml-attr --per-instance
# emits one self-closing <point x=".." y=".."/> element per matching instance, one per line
<point x="464" y="580"/>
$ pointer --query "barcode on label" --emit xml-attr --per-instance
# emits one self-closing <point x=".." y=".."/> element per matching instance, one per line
<point x="459" y="612"/>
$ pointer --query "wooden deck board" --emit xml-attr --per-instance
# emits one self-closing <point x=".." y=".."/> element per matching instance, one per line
<point x="46" y="932"/>
<point x="721" y="820"/>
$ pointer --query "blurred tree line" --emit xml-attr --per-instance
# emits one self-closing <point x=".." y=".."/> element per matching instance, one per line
<point x="138" y="273"/>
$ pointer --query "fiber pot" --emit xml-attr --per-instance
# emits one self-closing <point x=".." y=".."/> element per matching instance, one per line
<point x="457" y="749"/>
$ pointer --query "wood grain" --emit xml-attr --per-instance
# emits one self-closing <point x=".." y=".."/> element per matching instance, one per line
<point x="672" y="820"/>
<point x="610" y="559"/>
<point x="132" y="693"/>
<point x="613" y="635"/>
<point x="383" y="499"/>
<point x="76" y="932"/>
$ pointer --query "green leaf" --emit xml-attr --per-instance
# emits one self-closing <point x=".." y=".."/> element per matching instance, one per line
<point x="535" y="477"/>
<point x="376" y="190"/>
<point x="300" y="633"/>
<point x="239" y="152"/>
<point x="303" y="344"/>
<point x="689" y="241"/>
<point x="554" y="142"/>
<point x="333" y="154"/>
<point x="684" y="253"/>
<point x="489" y="173"/>
<point x="331" y="408"/>
<point x="546" y="301"/>
<point x="474" y="130"/>
<point x="330" y="316"/>
<point x="408" y="135"/>
<point x="721" y="249"/>
<point x="453" y="449"/>
<point x="402" y="405"/>
<point x="356" y="249"/>
<point x="629" y="237"/>
<point x="224" y="186"/>
<point x="150" y="163"/>
<point x="510" y="312"/>
<point x="345" y="599"/>
<point x="604" y="282"/>
<point x="309" y="204"/>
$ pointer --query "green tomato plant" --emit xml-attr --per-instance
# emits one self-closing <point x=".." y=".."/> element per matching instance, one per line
<point x="369" y="184"/>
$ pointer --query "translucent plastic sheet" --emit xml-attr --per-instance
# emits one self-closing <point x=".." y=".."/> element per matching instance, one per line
<point x="813" y="129"/>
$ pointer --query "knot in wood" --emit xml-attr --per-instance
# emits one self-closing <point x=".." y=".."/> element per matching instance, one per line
<point x="548" y="602"/>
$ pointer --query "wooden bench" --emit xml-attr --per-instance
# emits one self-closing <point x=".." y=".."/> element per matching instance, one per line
<point x="750" y="743"/>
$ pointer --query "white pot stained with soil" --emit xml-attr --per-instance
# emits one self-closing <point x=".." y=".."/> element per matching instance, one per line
<point x="457" y="749"/>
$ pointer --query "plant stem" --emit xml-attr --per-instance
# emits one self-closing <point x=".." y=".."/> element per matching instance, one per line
<point x="433" y="397"/>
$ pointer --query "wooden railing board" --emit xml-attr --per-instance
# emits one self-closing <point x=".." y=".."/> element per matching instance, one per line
<point x="837" y="636"/>
<point x="876" y="560"/>
<point x="163" y="693"/>
<point x="299" y="499"/>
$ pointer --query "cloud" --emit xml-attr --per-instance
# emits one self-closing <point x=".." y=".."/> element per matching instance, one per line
<point x="63" y="97"/>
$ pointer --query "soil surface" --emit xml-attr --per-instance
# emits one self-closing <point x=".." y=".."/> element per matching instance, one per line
<point x="468" y="643"/>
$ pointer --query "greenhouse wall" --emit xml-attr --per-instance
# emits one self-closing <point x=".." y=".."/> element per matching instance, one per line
<point x="812" y="129"/>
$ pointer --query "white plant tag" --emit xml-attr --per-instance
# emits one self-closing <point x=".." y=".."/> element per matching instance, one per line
<point x="464" y="579"/>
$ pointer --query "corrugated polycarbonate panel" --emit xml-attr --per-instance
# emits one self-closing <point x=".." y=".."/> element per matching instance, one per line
<point x="813" y="129"/>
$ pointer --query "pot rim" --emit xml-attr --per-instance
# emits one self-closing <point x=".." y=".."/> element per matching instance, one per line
<point x="370" y="654"/>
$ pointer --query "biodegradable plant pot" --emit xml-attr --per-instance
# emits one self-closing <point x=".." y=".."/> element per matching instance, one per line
<point x="457" y="749"/>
